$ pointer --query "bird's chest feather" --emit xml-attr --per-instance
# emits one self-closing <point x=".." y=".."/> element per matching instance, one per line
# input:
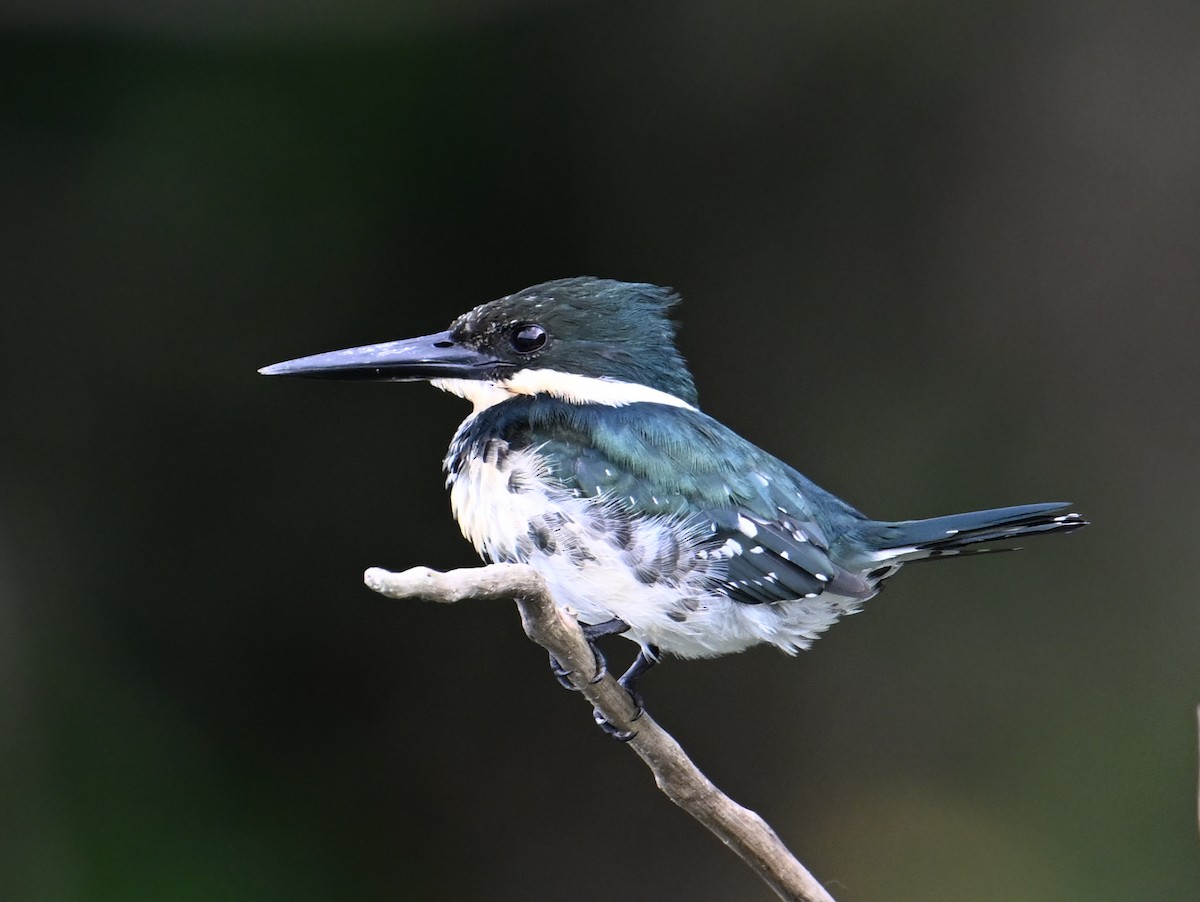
<point x="657" y="573"/>
<point x="500" y="497"/>
<point x="512" y="510"/>
<point x="598" y="560"/>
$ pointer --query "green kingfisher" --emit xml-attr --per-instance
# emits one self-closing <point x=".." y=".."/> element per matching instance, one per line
<point x="587" y="457"/>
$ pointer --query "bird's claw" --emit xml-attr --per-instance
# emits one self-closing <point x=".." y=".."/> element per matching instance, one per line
<point x="563" y="674"/>
<point x="601" y="664"/>
<point x="635" y="697"/>
<point x="639" y="703"/>
<point x="608" y="727"/>
<point x="645" y="660"/>
<point x="591" y="632"/>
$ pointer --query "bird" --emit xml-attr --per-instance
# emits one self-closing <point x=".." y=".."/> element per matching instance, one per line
<point x="587" y="457"/>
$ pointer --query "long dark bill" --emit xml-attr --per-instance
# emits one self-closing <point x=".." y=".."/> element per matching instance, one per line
<point x="436" y="356"/>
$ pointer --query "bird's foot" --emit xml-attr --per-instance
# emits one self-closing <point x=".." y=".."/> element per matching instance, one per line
<point x="629" y="681"/>
<point x="591" y="632"/>
<point x="563" y="674"/>
<point x="612" y="730"/>
<point x="646" y="659"/>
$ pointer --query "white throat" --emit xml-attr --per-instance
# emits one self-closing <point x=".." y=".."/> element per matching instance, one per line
<point x="569" y="387"/>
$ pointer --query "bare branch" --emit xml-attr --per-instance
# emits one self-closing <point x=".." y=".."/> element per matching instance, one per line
<point x="742" y="830"/>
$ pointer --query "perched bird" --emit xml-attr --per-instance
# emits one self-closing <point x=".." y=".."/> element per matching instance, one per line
<point x="587" y="457"/>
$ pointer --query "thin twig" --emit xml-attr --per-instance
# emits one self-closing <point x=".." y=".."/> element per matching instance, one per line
<point x="742" y="830"/>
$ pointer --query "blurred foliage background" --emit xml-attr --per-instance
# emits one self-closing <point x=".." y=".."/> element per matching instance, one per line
<point x="937" y="255"/>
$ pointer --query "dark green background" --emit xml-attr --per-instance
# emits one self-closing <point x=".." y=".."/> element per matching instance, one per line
<point x="938" y="255"/>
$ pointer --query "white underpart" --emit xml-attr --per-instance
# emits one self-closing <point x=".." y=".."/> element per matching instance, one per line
<point x="688" y="618"/>
<point x="565" y="386"/>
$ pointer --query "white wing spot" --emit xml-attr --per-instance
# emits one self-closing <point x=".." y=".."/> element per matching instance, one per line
<point x="746" y="527"/>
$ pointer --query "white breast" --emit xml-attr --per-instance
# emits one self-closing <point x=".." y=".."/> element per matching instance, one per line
<point x="599" y="567"/>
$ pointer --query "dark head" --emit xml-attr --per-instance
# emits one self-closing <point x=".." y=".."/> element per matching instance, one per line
<point x="552" y="337"/>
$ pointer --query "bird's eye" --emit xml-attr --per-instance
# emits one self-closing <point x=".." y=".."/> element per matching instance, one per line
<point x="528" y="338"/>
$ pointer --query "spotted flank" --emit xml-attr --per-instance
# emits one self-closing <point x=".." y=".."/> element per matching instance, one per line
<point x="692" y="580"/>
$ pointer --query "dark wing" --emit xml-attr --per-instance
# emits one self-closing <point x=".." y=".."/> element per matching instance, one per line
<point x="768" y="561"/>
<point x="768" y="524"/>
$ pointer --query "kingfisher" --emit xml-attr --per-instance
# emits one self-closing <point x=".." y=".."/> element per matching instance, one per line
<point x="587" y="457"/>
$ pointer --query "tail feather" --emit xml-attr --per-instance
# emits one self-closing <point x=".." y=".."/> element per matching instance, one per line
<point x="914" y="540"/>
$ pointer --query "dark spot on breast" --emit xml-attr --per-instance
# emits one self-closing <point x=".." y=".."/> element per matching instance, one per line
<point x="677" y="616"/>
<point x="578" y="553"/>
<point x="647" y="575"/>
<point x="542" y="538"/>
<point x="495" y="452"/>
<point x="523" y="550"/>
<point x="622" y="532"/>
<point x="598" y="524"/>
<point x="669" y="552"/>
